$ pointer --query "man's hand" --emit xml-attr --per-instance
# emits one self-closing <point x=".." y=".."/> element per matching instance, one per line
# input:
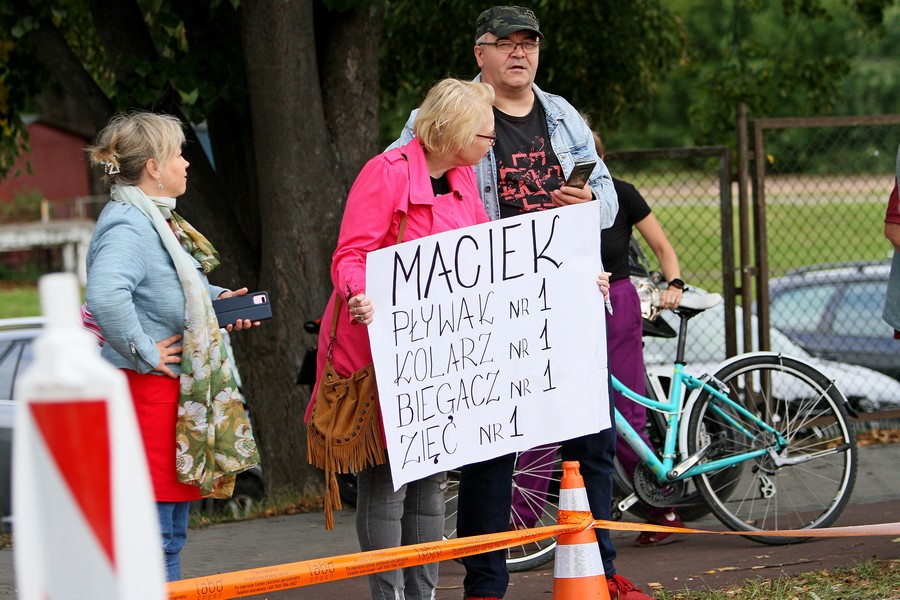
<point x="571" y="195"/>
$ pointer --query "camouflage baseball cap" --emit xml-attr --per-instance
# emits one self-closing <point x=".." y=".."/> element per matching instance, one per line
<point x="504" y="20"/>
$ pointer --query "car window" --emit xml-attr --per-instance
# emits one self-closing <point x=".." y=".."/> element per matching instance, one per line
<point x="858" y="311"/>
<point x="9" y="359"/>
<point x="800" y="309"/>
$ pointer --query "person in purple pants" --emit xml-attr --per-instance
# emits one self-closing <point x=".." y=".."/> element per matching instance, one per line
<point x="626" y="358"/>
<point x="624" y="327"/>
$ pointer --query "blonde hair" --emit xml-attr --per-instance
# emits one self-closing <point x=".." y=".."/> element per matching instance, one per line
<point x="129" y="140"/>
<point x="451" y="115"/>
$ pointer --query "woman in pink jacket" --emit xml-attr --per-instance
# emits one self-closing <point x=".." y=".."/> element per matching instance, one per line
<point x="429" y="180"/>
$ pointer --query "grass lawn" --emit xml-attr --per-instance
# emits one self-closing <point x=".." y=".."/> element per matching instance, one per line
<point x="798" y="235"/>
<point x="19" y="300"/>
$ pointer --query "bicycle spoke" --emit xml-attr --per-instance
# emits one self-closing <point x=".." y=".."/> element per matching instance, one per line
<point x="538" y="505"/>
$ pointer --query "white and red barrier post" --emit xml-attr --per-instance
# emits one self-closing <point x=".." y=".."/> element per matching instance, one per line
<point x="84" y="517"/>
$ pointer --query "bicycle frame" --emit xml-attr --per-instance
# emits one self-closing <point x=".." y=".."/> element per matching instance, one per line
<point x="665" y="470"/>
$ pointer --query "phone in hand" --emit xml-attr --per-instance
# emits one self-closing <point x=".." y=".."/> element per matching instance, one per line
<point x="252" y="305"/>
<point x="580" y="174"/>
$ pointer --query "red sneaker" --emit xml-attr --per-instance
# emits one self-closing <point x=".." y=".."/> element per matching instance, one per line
<point x="658" y="538"/>
<point x="622" y="589"/>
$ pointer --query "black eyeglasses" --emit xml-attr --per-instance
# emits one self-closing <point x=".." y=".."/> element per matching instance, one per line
<point x="491" y="138"/>
<point x="509" y="46"/>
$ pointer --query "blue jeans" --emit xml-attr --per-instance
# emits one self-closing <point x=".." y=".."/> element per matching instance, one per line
<point x="387" y="519"/>
<point x="173" y="524"/>
<point x="485" y="496"/>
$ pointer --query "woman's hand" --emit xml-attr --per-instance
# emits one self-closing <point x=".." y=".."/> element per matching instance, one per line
<point x="670" y="297"/>
<point x="361" y="309"/>
<point x="603" y="282"/>
<point x="168" y="354"/>
<point x="243" y="323"/>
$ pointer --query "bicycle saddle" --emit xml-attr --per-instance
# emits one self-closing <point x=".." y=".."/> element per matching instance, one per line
<point x="693" y="303"/>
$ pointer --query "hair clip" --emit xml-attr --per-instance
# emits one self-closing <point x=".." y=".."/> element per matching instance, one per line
<point x="110" y="168"/>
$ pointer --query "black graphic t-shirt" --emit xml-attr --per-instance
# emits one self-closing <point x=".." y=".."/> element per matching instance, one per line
<point x="527" y="167"/>
<point x="440" y="185"/>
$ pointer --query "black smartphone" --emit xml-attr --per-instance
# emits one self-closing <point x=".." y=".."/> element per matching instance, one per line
<point x="580" y="174"/>
<point x="252" y="305"/>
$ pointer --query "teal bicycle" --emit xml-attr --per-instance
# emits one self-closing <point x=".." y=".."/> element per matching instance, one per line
<point x="765" y="443"/>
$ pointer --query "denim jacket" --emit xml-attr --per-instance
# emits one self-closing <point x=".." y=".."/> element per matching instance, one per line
<point x="133" y="291"/>
<point x="571" y="140"/>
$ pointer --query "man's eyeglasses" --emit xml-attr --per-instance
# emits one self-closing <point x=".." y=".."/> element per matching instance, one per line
<point x="509" y="46"/>
<point x="491" y="138"/>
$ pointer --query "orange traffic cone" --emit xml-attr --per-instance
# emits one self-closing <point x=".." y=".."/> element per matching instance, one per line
<point x="578" y="571"/>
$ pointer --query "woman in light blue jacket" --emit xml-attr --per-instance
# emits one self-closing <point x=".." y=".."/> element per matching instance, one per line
<point x="148" y="292"/>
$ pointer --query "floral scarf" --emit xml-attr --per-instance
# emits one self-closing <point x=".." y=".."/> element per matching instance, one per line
<point x="213" y="436"/>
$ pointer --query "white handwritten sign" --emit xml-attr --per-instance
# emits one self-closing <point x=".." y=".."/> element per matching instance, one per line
<point x="489" y="339"/>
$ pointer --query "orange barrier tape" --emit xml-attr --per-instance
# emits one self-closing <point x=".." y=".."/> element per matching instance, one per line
<point x="280" y="577"/>
<point x="261" y="580"/>
<point x="881" y="529"/>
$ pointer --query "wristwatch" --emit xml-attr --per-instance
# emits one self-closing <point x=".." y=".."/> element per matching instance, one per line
<point x="677" y="283"/>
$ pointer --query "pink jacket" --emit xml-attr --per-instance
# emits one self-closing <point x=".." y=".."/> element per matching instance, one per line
<point x="390" y="184"/>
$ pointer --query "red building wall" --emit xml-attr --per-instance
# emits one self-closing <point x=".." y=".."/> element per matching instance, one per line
<point x="58" y="164"/>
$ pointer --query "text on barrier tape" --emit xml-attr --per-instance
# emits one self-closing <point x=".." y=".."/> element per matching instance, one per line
<point x="281" y="577"/>
<point x="261" y="580"/>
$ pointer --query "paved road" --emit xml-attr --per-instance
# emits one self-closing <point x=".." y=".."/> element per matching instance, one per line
<point x="694" y="562"/>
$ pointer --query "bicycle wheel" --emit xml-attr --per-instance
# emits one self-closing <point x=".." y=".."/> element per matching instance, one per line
<point x="535" y="485"/>
<point x="813" y="485"/>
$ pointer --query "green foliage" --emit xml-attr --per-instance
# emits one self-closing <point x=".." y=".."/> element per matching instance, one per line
<point x="780" y="57"/>
<point x="196" y="60"/>
<point x="19" y="75"/>
<point x="25" y="207"/>
<point x="200" y="56"/>
<point x="771" y="60"/>
<point x="872" y="84"/>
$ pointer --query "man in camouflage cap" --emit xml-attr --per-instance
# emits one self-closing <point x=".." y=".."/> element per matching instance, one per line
<point x="504" y="20"/>
<point x="539" y="138"/>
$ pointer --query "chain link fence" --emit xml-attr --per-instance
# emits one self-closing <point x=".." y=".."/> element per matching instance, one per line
<point x="814" y="263"/>
<point x="690" y="193"/>
<point x="820" y="190"/>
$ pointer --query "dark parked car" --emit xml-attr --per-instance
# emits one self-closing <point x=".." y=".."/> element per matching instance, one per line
<point x="833" y="311"/>
<point x="16" y="337"/>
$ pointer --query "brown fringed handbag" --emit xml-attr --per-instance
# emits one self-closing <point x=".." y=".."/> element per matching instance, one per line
<point x="343" y="434"/>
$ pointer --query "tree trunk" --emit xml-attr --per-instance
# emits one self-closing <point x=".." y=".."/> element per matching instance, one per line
<point x="303" y="183"/>
<point x="273" y="203"/>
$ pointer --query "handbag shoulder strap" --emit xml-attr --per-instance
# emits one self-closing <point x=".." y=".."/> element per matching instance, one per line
<point x="402" y="228"/>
